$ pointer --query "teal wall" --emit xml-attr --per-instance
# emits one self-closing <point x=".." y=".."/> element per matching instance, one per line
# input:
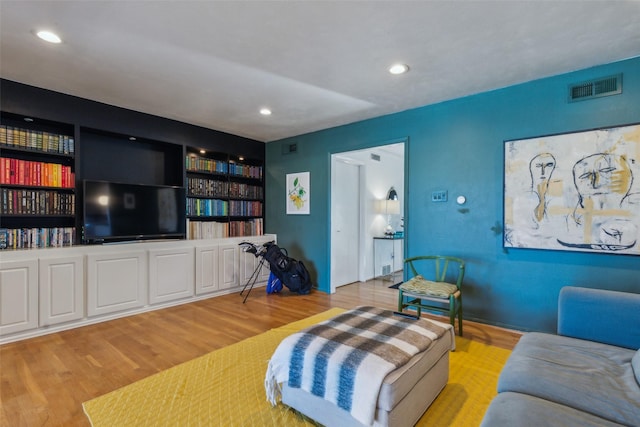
<point x="458" y="146"/>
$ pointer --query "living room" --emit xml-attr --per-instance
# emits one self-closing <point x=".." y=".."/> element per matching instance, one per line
<point x="458" y="146"/>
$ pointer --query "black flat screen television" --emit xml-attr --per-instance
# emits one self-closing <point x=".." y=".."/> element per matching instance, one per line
<point x="115" y="212"/>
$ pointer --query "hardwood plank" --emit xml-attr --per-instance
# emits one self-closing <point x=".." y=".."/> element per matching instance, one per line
<point x="44" y="380"/>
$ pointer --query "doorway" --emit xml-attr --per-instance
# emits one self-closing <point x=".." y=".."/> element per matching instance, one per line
<point x="360" y="180"/>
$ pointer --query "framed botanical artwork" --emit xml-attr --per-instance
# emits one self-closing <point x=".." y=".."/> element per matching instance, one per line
<point x="298" y="194"/>
<point x="574" y="192"/>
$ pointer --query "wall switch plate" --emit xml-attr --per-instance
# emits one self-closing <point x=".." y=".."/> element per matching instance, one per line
<point x="439" y="196"/>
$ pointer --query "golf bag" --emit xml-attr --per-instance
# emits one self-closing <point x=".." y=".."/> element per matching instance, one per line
<point x="292" y="273"/>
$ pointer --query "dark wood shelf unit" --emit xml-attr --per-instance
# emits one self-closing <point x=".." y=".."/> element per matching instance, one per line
<point x="118" y="145"/>
<point x="37" y="181"/>
<point x="235" y="176"/>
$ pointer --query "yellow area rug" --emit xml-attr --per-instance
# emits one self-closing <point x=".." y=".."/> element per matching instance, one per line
<point x="226" y="388"/>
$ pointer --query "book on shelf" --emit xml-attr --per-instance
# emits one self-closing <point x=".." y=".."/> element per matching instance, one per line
<point x="207" y="187"/>
<point x="35" y="140"/>
<point x="36" y="202"/>
<point x="253" y="227"/>
<point x="246" y="171"/>
<point x="245" y="208"/>
<point x="245" y="191"/>
<point x="213" y="230"/>
<point x="206" y="229"/>
<point x="35" y="238"/>
<point x="32" y="173"/>
<point x="195" y="163"/>
<point x="207" y="207"/>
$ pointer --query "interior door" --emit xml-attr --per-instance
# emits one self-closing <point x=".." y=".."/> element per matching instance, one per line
<point x="345" y="224"/>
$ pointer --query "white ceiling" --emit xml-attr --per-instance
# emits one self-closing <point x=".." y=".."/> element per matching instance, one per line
<point x="316" y="64"/>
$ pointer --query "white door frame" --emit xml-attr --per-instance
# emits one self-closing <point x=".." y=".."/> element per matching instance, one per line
<point x="363" y="266"/>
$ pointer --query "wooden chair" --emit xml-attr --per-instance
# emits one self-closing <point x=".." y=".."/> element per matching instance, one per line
<point x="442" y="294"/>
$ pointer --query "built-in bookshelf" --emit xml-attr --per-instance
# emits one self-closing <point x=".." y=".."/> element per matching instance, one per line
<point x="225" y="195"/>
<point x="37" y="183"/>
<point x="52" y="144"/>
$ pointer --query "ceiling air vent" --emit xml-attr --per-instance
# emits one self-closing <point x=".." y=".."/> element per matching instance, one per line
<point x="375" y="157"/>
<point x="605" y="86"/>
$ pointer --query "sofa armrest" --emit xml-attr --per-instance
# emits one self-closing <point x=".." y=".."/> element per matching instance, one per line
<point x="604" y="316"/>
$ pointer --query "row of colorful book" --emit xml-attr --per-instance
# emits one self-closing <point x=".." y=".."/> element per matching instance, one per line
<point x="207" y="187"/>
<point x="201" y="164"/>
<point x="207" y="207"/>
<point x="36" y="140"/>
<point x="246" y="171"/>
<point x="34" y="238"/>
<point x="40" y="174"/>
<point x="252" y="227"/>
<point x="36" y="202"/>
<point x="207" y="229"/>
<point x="245" y="191"/>
<point x="245" y="208"/>
<point x="215" y="230"/>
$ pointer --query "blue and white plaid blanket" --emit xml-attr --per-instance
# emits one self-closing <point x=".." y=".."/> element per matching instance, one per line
<point x="345" y="359"/>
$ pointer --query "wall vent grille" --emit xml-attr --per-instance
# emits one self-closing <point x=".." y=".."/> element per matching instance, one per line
<point x="290" y="149"/>
<point x="605" y="86"/>
<point x="375" y="157"/>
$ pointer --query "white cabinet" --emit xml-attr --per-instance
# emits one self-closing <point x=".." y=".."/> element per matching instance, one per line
<point x="207" y="270"/>
<point x="249" y="263"/>
<point x="116" y="281"/>
<point x="398" y="255"/>
<point x="18" y="296"/>
<point x="171" y="274"/>
<point x="61" y="289"/>
<point x="229" y="265"/>
<point x="54" y="289"/>
<point x="388" y="256"/>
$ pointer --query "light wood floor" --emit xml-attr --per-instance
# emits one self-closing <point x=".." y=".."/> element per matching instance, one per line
<point x="44" y="380"/>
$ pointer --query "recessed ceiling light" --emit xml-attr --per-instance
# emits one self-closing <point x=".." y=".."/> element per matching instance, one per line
<point x="49" y="36"/>
<point x="265" y="111"/>
<point x="132" y="138"/>
<point x="203" y="152"/>
<point x="398" y="68"/>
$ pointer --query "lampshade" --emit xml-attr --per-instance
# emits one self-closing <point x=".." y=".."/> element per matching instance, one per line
<point x="393" y="207"/>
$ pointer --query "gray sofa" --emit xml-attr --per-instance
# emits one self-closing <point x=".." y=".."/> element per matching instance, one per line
<point x="586" y="375"/>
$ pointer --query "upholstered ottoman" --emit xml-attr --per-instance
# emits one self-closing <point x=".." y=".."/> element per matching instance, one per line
<point x="404" y="395"/>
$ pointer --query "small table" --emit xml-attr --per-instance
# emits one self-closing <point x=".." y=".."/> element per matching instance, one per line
<point x="392" y="269"/>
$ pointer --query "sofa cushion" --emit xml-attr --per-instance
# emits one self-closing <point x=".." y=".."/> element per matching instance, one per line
<point x="521" y="410"/>
<point x="588" y="376"/>
<point x="635" y="364"/>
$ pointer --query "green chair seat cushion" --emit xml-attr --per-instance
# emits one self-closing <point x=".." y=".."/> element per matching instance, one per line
<point x="418" y="285"/>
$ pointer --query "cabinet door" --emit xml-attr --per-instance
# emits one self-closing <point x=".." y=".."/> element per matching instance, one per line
<point x="116" y="282"/>
<point x="18" y="296"/>
<point x="207" y="270"/>
<point x="249" y="263"/>
<point x="170" y="274"/>
<point x="229" y="266"/>
<point x="398" y="255"/>
<point x="61" y="289"/>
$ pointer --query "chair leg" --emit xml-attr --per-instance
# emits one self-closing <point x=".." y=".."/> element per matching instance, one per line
<point x="452" y="311"/>
<point x="400" y="300"/>
<point x="460" y="315"/>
